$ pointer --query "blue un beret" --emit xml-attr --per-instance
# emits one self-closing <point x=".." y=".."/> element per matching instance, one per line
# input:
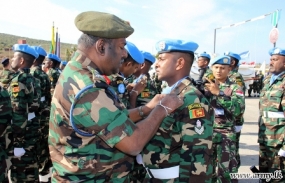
<point x="234" y="55"/>
<point x="53" y="57"/>
<point x="24" y="48"/>
<point x="223" y="60"/>
<point x="204" y="54"/>
<point x="40" y="50"/>
<point x="134" y="52"/>
<point x="277" y="51"/>
<point x="148" y="56"/>
<point x="171" y="45"/>
<point x="5" y="60"/>
<point x="63" y="62"/>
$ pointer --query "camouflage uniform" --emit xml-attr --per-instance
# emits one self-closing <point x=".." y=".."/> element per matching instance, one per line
<point x="226" y="108"/>
<point x="184" y="139"/>
<point x="5" y="130"/>
<point x="158" y="84"/>
<point x="115" y="81"/>
<point x="53" y="75"/>
<point x="237" y="78"/>
<point x="148" y="93"/>
<point x="21" y="91"/>
<point x="5" y="77"/>
<point x="98" y="111"/>
<point x="43" y="114"/>
<point x="271" y="129"/>
<point x="131" y="78"/>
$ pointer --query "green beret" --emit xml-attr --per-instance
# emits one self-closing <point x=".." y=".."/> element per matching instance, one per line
<point x="103" y="25"/>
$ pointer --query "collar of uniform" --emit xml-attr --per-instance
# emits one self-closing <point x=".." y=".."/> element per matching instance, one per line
<point x="181" y="85"/>
<point x="35" y="67"/>
<point x="226" y="83"/>
<point x="24" y="70"/>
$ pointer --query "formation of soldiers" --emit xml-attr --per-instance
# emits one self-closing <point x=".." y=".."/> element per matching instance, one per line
<point x="104" y="118"/>
<point x="257" y="85"/>
<point x="26" y="91"/>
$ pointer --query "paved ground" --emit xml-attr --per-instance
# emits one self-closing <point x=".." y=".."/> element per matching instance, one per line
<point x="248" y="141"/>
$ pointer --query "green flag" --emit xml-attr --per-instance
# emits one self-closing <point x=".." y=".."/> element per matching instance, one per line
<point x="275" y="16"/>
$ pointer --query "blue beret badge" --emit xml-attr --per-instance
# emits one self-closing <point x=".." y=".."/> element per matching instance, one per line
<point x="225" y="60"/>
<point x="121" y="88"/>
<point x="161" y="45"/>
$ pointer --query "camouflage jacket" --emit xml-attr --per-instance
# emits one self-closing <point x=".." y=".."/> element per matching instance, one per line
<point x="184" y="138"/>
<point x="148" y="93"/>
<point x="228" y="107"/>
<point x="21" y="91"/>
<point x="272" y="100"/>
<point x="53" y="75"/>
<point x="5" y="117"/>
<point x="119" y="84"/>
<point x="98" y="112"/>
<point x="158" y="84"/>
<point x="5" y="77"/>
<point x="237" y="78"/>
<point x="45" y="86"/>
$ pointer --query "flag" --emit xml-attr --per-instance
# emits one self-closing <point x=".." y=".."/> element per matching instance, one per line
<point x="275" y="16"/>
<point x="52" y="44"/>
<point x="244" y="55"/>
<point x="58" y="46"/>
<point x="56" y="40"/>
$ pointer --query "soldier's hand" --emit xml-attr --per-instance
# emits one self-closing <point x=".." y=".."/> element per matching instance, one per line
<point x="171" y="102"/>
<point x="213" y="87"/>
<point x="155" y="100"/>
<point x="130" y="86"/>
<point x="140" y="86"/>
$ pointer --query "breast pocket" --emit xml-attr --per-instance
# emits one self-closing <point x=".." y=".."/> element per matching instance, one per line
<point x="276" y="98"/>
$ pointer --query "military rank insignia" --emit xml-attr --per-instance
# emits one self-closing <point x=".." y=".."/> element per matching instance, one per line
<point x="199" y="128"/>
<point x="196" y="111"/>
<point x="15" y="89"/>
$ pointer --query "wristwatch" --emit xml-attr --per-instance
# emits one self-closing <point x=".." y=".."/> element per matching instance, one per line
<point x="140" y="111"/>
<point x="221" y="93"/>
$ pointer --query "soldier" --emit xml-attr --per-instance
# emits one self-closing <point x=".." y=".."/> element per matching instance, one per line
<point x="43" y="112"/>
<point x="228" y="103"/>
<point x="5" y="131"/>
<point x="181" y="150"/>
<point x="6" y="74"/>
<point x="203" y="63"/>
<point x="92" y="137"/>
<point x="272" y="120"/>
<point x="236" y="77"/>
<point x="21" y="90"/>
<point x="150" y="90"/>
<point x="128" y="67"/>
<point x="52" y="62"/>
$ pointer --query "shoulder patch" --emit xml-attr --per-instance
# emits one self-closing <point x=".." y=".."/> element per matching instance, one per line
<point x="194" y="106"/>
<point x="15" y="87"/>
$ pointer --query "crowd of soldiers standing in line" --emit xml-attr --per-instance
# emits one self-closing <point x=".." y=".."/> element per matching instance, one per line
<point x="26" y="82"/>
<point x="198" y="123"/>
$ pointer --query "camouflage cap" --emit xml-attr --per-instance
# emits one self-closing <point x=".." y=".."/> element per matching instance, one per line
<point x="103" y="25"/>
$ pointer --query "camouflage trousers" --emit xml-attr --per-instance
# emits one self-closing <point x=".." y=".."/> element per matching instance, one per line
<point x="5" y="164"/>
<point x="224" y="156"/>
<point x="270" y="161"/>
<point x="138" y="173"/>
<point x="43" y="150"/>
<point x="25" y="168"/>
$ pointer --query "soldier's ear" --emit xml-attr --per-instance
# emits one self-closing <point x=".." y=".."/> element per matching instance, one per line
<point x="180" y="63"/>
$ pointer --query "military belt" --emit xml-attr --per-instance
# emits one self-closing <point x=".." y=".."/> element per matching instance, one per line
<point x="269" y="114"/>
<point x="165" y="173"/>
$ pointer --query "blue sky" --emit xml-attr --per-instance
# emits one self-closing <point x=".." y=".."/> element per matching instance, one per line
<point x="154" y="20"/>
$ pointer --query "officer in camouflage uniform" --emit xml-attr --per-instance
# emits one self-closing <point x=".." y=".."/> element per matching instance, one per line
<point x="150" y="90"/>
<point x="228" y="103"/>
<point x="91" y="138"/>
<point x="272" y="120"/>
<point x="129" y="66"/>
<point x="52" y="62"/>
<point x="236" y="77"/>
<point x="203" y="63"/>
<point x="6" y="74"/>
<point x="181" y="150"/>
<point x="5" y="130"/>
<point x="43" y="112"/>
<point x="158" y="84"/>
<point x="21" y="90"/>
